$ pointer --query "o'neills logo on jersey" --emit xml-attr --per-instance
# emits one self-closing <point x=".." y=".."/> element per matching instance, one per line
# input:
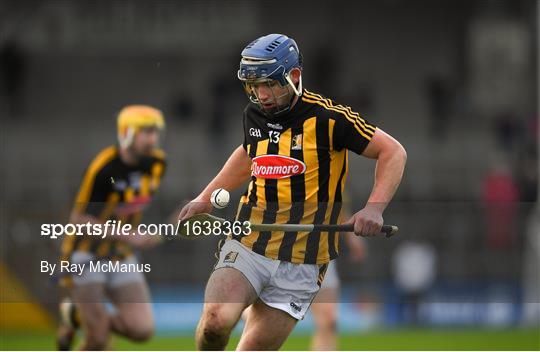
<point x="276" y="166"/>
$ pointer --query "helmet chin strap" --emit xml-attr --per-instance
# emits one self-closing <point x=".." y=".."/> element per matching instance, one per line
<point x="297" y="91"/>
<point x="126" y="141"/>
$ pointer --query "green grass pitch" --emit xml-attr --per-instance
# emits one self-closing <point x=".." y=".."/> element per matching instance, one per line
<point x="410" y="339"/>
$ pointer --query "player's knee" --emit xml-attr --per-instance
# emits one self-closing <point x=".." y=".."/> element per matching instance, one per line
<point x="214" y="330"/>
<point x="140" y="332"/>
<point x="252" y="345"/>
<point x="215" y="325"/>
<point x="332" y="324"/>
<point x="96" y="339"/>
<point x="136" y="326"/>
<point x="212" y="335"/>
<point x="96" y="330"/>
<point x="329" y="322"/>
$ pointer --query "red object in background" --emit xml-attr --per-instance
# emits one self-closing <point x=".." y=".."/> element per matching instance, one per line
<point x="136" y="205"/>
<point x="500" y="194"/>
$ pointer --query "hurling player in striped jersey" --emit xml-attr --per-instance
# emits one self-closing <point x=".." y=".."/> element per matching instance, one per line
<point x="295" y="157"/>
<point x="118" y="185"/>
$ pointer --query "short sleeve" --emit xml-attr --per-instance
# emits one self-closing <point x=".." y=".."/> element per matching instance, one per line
<point x="93" y="192"/>
<point x="352" y="132"/>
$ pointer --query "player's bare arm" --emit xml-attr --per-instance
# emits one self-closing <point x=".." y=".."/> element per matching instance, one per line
<point x="235" y="172"/>
<point x="391" y="158"/>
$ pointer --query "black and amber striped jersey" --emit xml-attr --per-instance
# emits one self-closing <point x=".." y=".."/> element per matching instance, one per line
<point x="299" y="169"/>
<point x="113" y="190"/>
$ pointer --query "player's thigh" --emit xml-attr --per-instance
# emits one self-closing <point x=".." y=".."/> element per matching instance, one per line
<point x="229" y="285"/>
<point x="89" y="302"/>
<point x="227" y="294"/>
<point x="266" y="328"/>
<point x="132" y="303"/>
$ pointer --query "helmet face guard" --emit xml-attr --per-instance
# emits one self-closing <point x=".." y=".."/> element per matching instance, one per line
<point x="281" y="97"/>
<point x="266" y="64"/>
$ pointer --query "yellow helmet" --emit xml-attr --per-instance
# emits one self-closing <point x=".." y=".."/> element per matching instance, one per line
<point x="134" y="117"/>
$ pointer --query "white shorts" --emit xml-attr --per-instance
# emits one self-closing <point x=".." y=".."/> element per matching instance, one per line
<point x="279" y="284"/>
<point x="331" y="279"/>
<point x="110" y="280"/>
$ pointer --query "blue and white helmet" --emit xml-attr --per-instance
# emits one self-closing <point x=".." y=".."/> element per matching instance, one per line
<point x="270" y="58"/>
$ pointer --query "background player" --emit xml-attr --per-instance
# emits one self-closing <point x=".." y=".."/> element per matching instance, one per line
<point x="280" y="273"/>
<point x="118" y="185"/>
<point x="325" y="307"/>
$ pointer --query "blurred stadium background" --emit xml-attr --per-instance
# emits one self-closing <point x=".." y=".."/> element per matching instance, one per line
<point x="454" y="81"/>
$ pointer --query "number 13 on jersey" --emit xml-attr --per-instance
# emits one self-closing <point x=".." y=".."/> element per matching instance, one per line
<point x="274" y="136"/>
